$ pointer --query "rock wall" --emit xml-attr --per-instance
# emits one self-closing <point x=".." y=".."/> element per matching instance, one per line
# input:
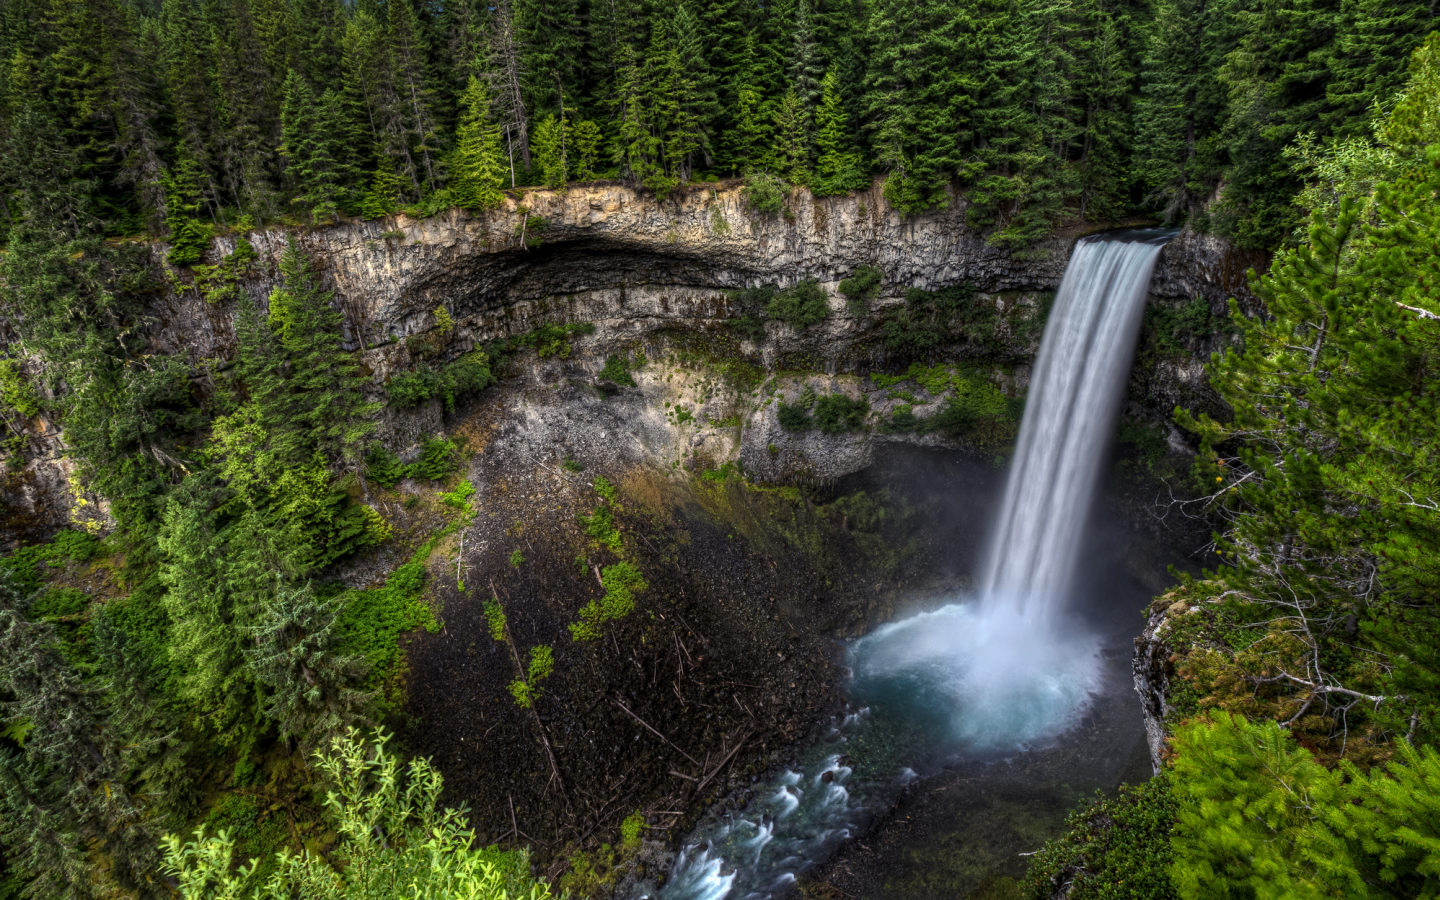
<point x="637" y="267"/>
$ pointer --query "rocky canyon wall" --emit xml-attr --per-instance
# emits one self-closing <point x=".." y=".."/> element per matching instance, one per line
<point x="640" y="268"/>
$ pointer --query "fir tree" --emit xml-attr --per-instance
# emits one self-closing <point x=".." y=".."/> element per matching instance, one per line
<point x="308" y="142"/>
<point x="478" y="167"/>
<point x="837" y="170"/>
<point x="550" y="148"/>
<point x="312" y="688"/>
<point x="805" y="70"/>
<point x="588" y="138"/>
<point x="81" y="800"/>
<point x="552" y="57"/>
<point x="791" y="155"/>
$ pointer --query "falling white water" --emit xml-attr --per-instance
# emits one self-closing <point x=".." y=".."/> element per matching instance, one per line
<point x="994" y="676"/>
<point x="1075" y="392"/>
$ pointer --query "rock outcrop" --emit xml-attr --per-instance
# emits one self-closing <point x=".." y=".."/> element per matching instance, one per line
<point x="638" y="268"/>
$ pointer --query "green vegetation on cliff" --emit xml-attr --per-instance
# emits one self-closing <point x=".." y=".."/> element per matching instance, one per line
<point x="1306" y="691"/>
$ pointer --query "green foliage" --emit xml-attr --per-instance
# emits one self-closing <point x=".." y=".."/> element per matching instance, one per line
<point x="861" y="289"/>
<point x="572" y="465"/>
<point x="383" y="467"/>
<point x="438" y="458"/>
<point x="478" y="163"/>
<point x="801" y="305"/>
<point x="16" y="392"/>
<point x="391" y="833"/>
<point x="1174" y="329"/>
<point x="618" y="368"/>
<point x="835" y="413"/>
<point x="527" y="690"/>
<point x="621" y="582"/>
<point x="517" y="559"/>
<point x="370" y="621"/>
<point x="1117" y="848"/>
<point x="495" y="619"/>
<point x="1260" y="816"/>
<point x="600" y="526"/>
<point x="631" y="828"/>
<point x="550" y="340"/>
<point x="459" y="497"/>
<point x="605" y="489"/>
<point x="930" y="319"/>
<point x="764" y="193"/>
<point x="221" y="283"/>
<point x="188" y="242"/>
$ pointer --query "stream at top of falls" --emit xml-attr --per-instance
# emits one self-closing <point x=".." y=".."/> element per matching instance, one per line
<point x="1004" y="670"/>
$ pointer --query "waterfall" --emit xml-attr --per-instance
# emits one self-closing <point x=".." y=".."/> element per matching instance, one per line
<point x="1075" y="392"/>
<point x="983" y="677"/>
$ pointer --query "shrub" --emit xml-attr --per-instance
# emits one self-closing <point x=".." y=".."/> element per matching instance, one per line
<point x="470" y="374"/>
<point x="517" y="559"/>
<point x="800" y="306"/>
<point x="383" y="467"/>
<point x="860" y="288"/>
<point x="837" y="412"/>
<point x="600" y="525"/>
<point x="618" y="369"/>
<point x="438" y="458"/>
<point x="526" y="690"/>
<point x="764" y="193"/>
<point x="456" y="498"/>
<point x="794" y="417"/>
<point x="622" y="582"/>
<point x="1117" y="849"/>
<point x="930" y="317"/>
<point x="189" y="243"/>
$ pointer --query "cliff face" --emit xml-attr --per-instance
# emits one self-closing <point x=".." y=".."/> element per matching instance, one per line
<point x="641" y="269"/>
<point x="632" y="263"/>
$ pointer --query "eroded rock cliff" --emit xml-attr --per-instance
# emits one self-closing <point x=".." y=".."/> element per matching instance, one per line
<point x="643" y="270"/>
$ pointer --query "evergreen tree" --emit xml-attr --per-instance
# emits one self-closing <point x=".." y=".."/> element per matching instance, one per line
<point x="838" y="170"/>
<point x="309" y="143"/>
<point x="478" y="167"/>
<point x="550" y="151"/>
<point x="552" y="57"/>
<point x="413" y="130"/>
<point x="1181" y="106"/>
<point x="80" y="804"/>
<point x="312" y="688"/>
<point x="791" y="155"/>
<point x="747" y="146"/>
<point x="805" y="70"/>
<point x="588" y="138"/>
<point x="907" y="100"/>
<point x="144" y="721"/>
<point x="205" y="636"/>
<point x="382" y="196"/>
<point x="1372" y="46"/>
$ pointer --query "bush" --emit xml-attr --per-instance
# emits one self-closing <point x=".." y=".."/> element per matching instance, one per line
<point x="383" y="467"/>
<point x="929" y="320"/>
<point x="622" y="582"/>
<point x="800" y="306"/>
<point x="860" y="288"/>
<point x="438" y="458"/>
<point x="837" y="412"/>
<point x="1117" y="849"/>
<point x="793" y="417"/>
<point x="764" y="193"/>
<point x="618" y="368"/>
<point x="550" y="340"/>
<point x="190" y="242"/>
<point x="470" y="374"/>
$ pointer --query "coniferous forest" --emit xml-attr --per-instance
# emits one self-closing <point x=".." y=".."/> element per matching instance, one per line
<point x="1309" y="689"/>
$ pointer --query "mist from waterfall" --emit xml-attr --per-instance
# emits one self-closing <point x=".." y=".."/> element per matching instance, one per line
<point x="1006" y="668"/>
